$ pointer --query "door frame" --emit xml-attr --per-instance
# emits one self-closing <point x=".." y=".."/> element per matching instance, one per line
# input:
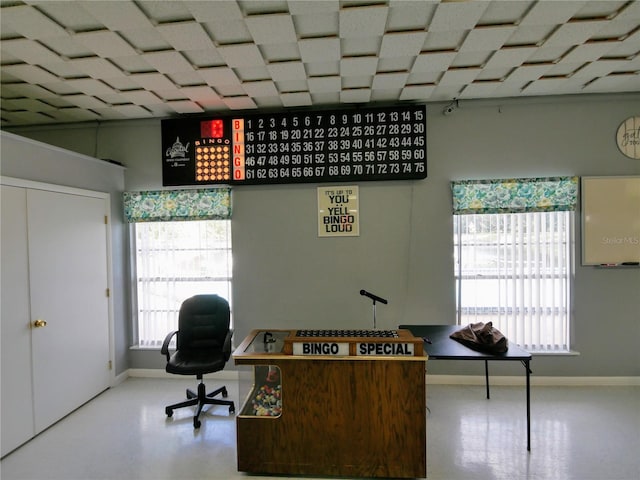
<point x="106" y="198"/>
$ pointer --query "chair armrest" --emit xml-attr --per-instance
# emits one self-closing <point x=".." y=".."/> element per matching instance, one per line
<point x="165" y="345"/>
<point x="226" y="348"/>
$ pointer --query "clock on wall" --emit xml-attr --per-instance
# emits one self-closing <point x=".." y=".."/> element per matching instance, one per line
<point x="628" y="137"/>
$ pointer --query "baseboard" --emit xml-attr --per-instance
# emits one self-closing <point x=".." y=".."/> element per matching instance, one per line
<point x="535" y="381"/>
<point x="158" y="373"/>
<point x="431" y="379"/>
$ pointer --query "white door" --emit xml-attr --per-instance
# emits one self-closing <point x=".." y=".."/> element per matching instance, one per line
<point x="17" y="406"/>
<point x="68" y="275"/>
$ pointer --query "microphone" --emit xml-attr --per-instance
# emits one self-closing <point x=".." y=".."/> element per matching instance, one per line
<point x="373" y="297"/>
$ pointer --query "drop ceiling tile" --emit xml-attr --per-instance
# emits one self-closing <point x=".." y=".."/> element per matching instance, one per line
<point x="198" y="94"/>
<point x="207" y="11"/>
<point x="614" y="83"/>
<point x="262" y="88"/>
<point x="357" y="66"/>
<point x="165" y="12"/>
<point x="30" y="73"/>
<point x="297" y="99"/>
<point x="105" y="44"/>
<point x="360" y="22"/>
<point x="63" y="70"/>
<point x="90" y="86"/>
<point x="509" y="57"/>
<point x="459" y="76"/>
<point x="471" y="59"/>
<point x="530" y="35"/>
<point x="417" y="92"/>
<point x="544" y="86"/>
<point x="319" y="49"/>
<point x="131" y="111"/>
<point x="145" y="39"/>
<point x="280" y="52"/>
<point x="329" y="84"/>
<point x="550" y="54"/>
<point x="68" y="46"/>
<point x="302" y="7"/>
<point x="505" y="13"/>
<point x="317" y="25"/>
<point x="186" y="79"/>
<point x="479" y="90"/>
<point x="486" y="38"/>
<point x="322" y="69"/>
<point x="387" y="81"/>
<point x="140" y="97"/>
<point x="433" y="62"/>
<point x="29" y="51"/>
<point x="268" y="29"/>
<point x="356" y="82"/>
<point x="30" y="23"/>
<point x="292" y="86"/>
<point x="96" y="67"/>
<point x="127" y="15"/>
<point x="385" y="95"/>
<point x="74" y="114"/>
<point x="526" y="73"/>
<point x="27" y="104"/>
<point x="132" y="65"/>
<point x="252" y="74"/>
<point x="423" y="78"/>
<point x="268" y="102"/>
<point x="204" y="58"/>
<point x="217" y="76"/>
<point x="153" y="81"/>
<point x="446" y="93"/>
<point x="551" y="13"/>
<point x="228" y="32"/>
<point x="239" y="103"/>
<point x="58" y="88"/>
<point x="167" y="62"/>
<point x="589" y="52"/>
<point x="326" y="98"/>
<point x="404" y="15"/>
<point x="230" y="90"/>
<point x="360" y="95"/>
<point x="402" y="44"/>
<point x="185" y="106"/>
<point x="246" y="55"/>
<point x="574" y="33"/>
<point x="69" y="15"/>
<point x="85" y="101"/>
<point x="454" y="16"/>
<point x="186" y="36"/>
<point x="260" y="7"/>
<point x="26" y="118"/>
<point x="287" y="71"/>
<point x="600" y="68"/>
<point x="358" y="47"/>
<point x="109" y="113"/>
<point x="439" y="41"/>
<point x="395" y="64"/>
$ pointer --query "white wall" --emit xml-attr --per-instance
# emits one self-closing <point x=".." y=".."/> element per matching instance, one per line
<point x="287" y="277"/>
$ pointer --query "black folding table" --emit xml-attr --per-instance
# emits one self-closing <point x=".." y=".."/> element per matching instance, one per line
<point x="439" y="346"/>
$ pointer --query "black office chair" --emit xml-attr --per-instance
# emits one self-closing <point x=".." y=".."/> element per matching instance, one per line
<point x="203" y="346"/>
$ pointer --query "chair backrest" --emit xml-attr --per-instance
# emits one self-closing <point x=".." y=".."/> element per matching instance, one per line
<point x="203" y="323"/>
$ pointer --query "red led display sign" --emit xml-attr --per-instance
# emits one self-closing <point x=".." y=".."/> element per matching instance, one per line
<point x="385" y="143"/>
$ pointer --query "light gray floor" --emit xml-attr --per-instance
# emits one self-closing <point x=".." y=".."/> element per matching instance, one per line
<point x="577" y="433"/>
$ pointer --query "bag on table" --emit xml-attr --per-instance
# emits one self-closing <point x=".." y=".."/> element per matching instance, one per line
<point x="482" y="337"/>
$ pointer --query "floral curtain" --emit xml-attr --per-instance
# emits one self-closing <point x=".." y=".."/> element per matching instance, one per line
<point x="173" y="205"/>
<point x="515" y="195"/>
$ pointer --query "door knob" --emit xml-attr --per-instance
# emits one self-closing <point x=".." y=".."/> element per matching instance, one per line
<point x="39" y="323"/>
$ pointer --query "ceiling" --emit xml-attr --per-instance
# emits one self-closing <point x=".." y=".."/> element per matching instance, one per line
<point x="86" y="61"/>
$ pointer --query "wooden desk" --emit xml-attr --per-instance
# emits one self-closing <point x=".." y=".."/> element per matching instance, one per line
<point x="343" y="415"/>
<point x="439" y="346"/>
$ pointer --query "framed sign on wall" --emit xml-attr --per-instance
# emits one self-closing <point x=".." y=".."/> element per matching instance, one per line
<point x="383" y="143"/>
<point x="338" y="211"/>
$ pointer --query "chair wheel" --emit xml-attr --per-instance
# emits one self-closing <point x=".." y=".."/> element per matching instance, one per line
<point x="224" y="392"/>
<point x="232" y="409"/>
<point x="168" y="411"/>
<point x="196" y="423"/>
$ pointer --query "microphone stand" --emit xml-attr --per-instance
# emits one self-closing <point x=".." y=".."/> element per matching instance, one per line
<point x="373" y="298"/>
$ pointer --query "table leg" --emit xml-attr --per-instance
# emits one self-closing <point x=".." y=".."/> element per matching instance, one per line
<point x="526" y="366"/>
<point x="486" y="376"/>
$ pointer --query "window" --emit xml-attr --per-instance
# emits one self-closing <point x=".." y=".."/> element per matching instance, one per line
<point x="514" y="269"/>
<point x="513" y="249"/>
<point x="180" y="246"/>
<point x="173" y="261"/>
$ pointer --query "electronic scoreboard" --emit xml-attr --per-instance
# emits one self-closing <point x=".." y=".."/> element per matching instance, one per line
<point x="383" y="143"/>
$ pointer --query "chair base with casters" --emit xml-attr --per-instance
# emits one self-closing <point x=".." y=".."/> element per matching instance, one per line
<point x="201" y="398"/>
<point x="203" y="345"/>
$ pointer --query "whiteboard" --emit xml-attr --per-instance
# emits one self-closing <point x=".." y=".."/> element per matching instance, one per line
<point x="610" y="220"/>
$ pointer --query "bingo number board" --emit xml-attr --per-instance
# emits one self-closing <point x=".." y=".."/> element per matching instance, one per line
<point x="296" y="147"/>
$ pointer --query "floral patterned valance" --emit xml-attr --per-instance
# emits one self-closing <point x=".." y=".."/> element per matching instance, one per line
<point x="173" y="205"/>
<point x="515" y="195"/>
